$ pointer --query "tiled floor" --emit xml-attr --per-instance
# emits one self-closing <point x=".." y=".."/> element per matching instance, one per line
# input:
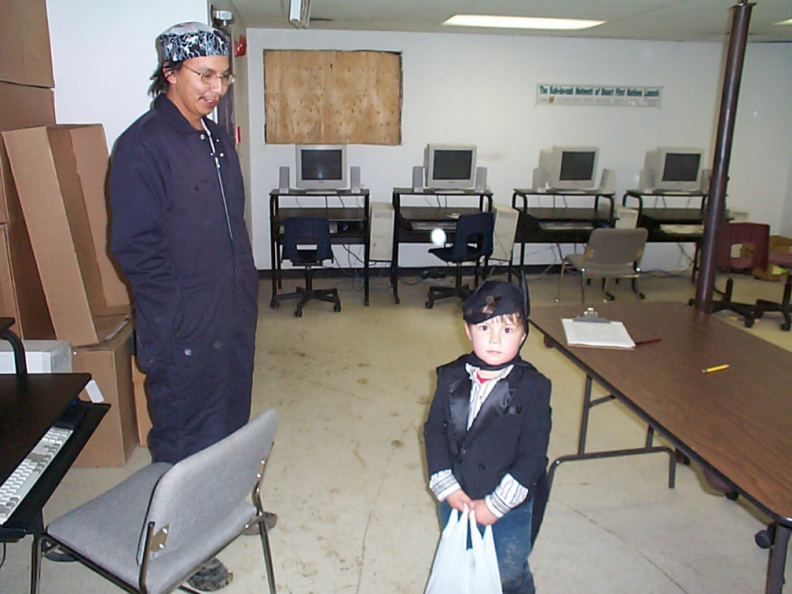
<point x="347" y="475"/>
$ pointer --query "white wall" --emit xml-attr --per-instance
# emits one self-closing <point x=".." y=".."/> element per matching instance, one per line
<point x="458" y="88"/>
<point x="481" y="89"/>
<point x="103" y="54"/>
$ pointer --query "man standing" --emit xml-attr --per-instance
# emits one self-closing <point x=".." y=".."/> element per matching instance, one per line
<point x="179" y="235"/>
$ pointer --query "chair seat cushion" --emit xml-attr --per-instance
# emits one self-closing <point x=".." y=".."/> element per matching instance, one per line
<point x="594" y="269"/>
<point x="306" y="257"/>
<point x="107" y="531"/>
<point x="446" y="254"/>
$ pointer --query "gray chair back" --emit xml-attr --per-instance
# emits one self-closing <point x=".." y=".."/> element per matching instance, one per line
<point x="608" y="246"/>
<point x="210" y="489"/>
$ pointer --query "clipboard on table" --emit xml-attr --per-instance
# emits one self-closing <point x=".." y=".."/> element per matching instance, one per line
<point x="596" y="332"/>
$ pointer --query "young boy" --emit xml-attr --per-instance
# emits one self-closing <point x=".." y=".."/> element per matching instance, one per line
<point x="488" y="429"/>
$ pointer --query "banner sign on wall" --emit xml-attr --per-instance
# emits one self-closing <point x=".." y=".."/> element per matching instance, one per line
<point x="620" y="96"/>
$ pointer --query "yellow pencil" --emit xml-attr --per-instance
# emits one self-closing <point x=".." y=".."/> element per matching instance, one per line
<point x="716" y="368"/>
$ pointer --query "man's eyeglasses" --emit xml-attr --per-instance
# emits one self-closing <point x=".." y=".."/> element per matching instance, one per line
<point x="208" y="78"/>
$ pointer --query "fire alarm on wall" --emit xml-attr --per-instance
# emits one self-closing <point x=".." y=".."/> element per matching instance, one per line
<point x="240" y="46"/>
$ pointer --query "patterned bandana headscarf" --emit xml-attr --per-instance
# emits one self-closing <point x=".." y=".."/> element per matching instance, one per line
<point x="191" y="40"/>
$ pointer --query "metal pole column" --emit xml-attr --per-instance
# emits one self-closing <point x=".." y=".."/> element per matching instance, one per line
<point x="717" y="191"/>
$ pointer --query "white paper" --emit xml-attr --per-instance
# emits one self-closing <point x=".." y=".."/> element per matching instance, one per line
<point x="597" y="334"/>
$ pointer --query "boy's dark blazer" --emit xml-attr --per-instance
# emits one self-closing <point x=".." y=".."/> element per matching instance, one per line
<point x="509" y="435"/>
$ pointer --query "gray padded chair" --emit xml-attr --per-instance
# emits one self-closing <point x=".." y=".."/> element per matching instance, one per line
<point x="158" y="527"/>
<point x="610" y="253"/>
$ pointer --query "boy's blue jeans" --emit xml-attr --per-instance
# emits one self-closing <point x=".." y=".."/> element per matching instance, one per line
<point x="512" y="535"/>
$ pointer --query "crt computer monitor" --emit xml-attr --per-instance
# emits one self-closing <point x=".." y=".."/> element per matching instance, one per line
<point x="570" y="167"/>
<point x="450" y="167"/>
<point x="321" y="166"/>
<point x="672" y="169"/>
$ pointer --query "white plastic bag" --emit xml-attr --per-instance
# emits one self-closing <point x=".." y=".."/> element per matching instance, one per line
<point x="459" y="570"/>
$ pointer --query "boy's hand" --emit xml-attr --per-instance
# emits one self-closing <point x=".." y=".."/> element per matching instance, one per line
<point x="483" y="515"/>
<point x="458" y="500"/>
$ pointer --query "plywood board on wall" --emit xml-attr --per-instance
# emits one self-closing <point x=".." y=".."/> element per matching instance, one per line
<point x="345" y="97"/>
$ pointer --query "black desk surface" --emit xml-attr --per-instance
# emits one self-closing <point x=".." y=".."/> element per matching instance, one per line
<point x="434" y="213"/>
<point x="547" y="213"/>
<point x="330" y="213"/>
<point x="29" y="408"/>
<point x="296" y="193"/>
<point x="436" y="192"/>
<point x="673" y="215"/>
<point x="552" y="192"/>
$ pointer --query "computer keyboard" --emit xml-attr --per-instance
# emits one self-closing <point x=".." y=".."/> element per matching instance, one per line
<point x="683" y="229"/>
<point x="16" y="487"/>
<point x="565" y="226"/>
<point x="429" y="225"/>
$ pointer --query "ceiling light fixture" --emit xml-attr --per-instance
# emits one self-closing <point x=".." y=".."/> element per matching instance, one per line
<point x="510" y="22"/>
<point x="786" y="22"/>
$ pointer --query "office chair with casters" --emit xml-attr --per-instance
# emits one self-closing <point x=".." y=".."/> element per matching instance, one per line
<point x="154" y="530"/>
<point x="314" y="232"/>
<point x="732" y="235"/>
<point x="472" y="243"/>
<point x="609" y="254"/>
<point x="783" y="260"/>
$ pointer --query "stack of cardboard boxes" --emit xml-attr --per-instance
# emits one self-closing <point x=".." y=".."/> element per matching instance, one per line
<point x="57" y="278"/>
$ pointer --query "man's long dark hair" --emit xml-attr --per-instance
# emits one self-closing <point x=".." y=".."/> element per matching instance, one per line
<point x="159" y="84"/>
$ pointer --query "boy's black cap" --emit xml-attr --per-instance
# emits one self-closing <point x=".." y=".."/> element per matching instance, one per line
<point x="495" y="298"/>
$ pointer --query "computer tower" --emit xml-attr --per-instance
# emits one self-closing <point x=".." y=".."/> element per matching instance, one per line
<point x="381" y="236"/>
<point x="627" y="218"/>
<point x="41" y="356"/>
<point x="503" y="234"/>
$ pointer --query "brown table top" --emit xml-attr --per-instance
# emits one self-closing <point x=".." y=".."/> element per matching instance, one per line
<point x="737" y="421"/>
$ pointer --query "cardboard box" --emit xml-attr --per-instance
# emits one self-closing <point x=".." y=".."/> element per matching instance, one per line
<point x="109" y="364"/>
<point x="93" y="164"/>
<point x="21" y="293"/>
<point x="23" y="107"/>
<point x="778" y="243"/>
<point x="25" y="43"/>
<point x="50" y="192"/>
<point x="141" y="403"/>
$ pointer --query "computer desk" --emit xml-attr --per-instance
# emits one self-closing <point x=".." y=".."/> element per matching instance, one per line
<point x="716" y="419"/>
<point x="560" y="223"/>
<point x="656" y="218"/>
<point x="349" y="223"/>
<point x="29" y="405"/>
<point x="429" y="208"/>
